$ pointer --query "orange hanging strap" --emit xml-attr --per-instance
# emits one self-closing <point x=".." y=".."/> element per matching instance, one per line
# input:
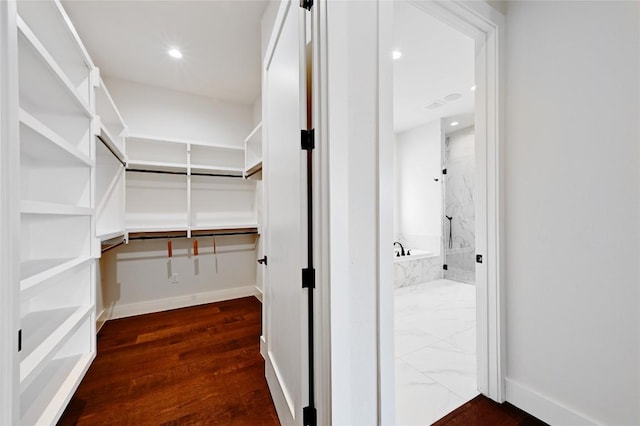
<point x="195" y="247"/>
<point x="169" y="248"/>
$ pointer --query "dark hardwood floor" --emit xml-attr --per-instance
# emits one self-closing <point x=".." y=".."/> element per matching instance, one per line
<point x="202" y="366"/>
<point x="481" y="411"/>
<point x="193" y="366"/>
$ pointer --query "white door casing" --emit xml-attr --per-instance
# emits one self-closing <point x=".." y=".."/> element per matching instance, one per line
<point x="340" y="99"/>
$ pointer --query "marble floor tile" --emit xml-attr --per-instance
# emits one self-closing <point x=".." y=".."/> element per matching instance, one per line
<point x="448" y="365"/>
<point x="435" y="350"/>
<point x="419" y="399"/>
<point x="411" y="338"/>
<point x="465" y="340"/>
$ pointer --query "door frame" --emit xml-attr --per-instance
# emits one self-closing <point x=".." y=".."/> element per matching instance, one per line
<point x="9" y="217"/>
<point x="486" y="24"/>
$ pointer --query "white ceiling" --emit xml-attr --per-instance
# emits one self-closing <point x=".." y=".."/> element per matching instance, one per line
<point x="220" y="41"/>
<point x="437" y="61"/>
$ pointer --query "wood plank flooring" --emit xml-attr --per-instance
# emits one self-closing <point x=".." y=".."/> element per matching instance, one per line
<point x="193" y="366"/>
<point x="481" y="411"/>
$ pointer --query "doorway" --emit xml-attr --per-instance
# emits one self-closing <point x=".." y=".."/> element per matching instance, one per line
<point x="480" y="24"/>
<point x="434" y="216"/>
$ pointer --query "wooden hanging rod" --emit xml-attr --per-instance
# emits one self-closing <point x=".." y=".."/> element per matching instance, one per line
<point x="166" y="172"/>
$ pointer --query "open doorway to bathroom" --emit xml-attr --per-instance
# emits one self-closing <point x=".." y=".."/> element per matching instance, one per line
<point x="434" y="217"/>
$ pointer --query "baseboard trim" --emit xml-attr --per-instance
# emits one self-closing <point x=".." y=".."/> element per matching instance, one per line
<point x="101" y="319"/>
<point x="258" y="293"/>
<point x="151" y="306"/>
<point x="543" y="407"/>
<point x="263" y="347"/>
<point x="278" y="393"/>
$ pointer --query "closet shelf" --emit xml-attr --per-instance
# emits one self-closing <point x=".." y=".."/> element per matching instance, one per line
<point x="253" y="169"/>
<point x="205" y="169"/>
<point x="39" y="207"/>
<point x="53" y="67"/>
<point x="33" y="272"/>
<point x="44" y="332"/>
<point x="111" y="235"/>
<point x="158" y="228"/>
<point x="253" y="152"/>
<point x="111" y="142"/>
<point x="48" y="395"/>
<point x="186" y="142"/>
<point x="111" y="122"/>
<point x="255" y="134"/>
<point x="156" y="166"/>
<point x="39" y="141"/>
<point x="226" y="227"/>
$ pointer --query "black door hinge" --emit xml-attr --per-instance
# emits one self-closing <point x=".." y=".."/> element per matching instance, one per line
<point x="306" y="4"/>
<point x="308" y="278"/>
<point x="444" y="171"/>
<point x="309" y="416"/>
<point x="307" y="139"/>
<point x="263" y="261"/>
<point x="445" y="267"/>
<point x="478" y="258"/>
<point x="19" y="340"/>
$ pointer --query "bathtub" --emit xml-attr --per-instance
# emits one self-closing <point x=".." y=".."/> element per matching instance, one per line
<point x="419" y="267"/>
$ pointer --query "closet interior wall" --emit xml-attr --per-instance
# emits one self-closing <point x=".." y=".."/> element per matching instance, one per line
<point x="185" y="162"/>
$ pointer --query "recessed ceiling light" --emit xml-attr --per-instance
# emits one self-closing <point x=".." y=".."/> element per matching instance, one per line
<point x="473" y="88"/>
<point x="453" y="123"/>
<point x="175" y="53"/>
<point x="396" y="54"/>
<point x="434" y="105"/>
<point x="452" y="97"/>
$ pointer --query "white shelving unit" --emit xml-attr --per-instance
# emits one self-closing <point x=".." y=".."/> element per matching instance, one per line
<point x="222" y="203"/>
<point x="155" y="154"/>
<point x="215" y="159"/>
<point x="185" y="185"/>
<point x="156" y="202"/>
<point x="253" y="152"/>
<point x="110" y="167"/>
<point x="110" y="194"/>
<point x="113" y="131"/>
<point x="56" y="247"/>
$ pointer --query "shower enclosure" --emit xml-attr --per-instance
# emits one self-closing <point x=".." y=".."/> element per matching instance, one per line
<point x="458" y="199"/>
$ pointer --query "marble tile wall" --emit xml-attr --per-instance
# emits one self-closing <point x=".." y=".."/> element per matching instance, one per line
<point x="459" y="160"/>
<point x="417" y="271"/>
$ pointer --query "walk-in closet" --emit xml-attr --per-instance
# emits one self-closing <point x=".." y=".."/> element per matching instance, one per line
<point x="133" y="195"/>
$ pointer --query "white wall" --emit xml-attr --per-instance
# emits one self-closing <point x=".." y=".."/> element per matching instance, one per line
<point x="155" y="111"/>
<point x="136" y="278"/>
<point x="418" y="196"/>
<point x="267" y="23"/>
<point x="572" y="212"/>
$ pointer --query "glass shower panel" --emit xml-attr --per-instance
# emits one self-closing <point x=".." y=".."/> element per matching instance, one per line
<point x="459" y="206"/>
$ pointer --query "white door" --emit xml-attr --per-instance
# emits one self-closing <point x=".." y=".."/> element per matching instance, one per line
<point x="285" y="316"/>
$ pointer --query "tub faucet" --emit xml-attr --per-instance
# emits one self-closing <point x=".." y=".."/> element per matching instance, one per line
<point x="401" y="249"/>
